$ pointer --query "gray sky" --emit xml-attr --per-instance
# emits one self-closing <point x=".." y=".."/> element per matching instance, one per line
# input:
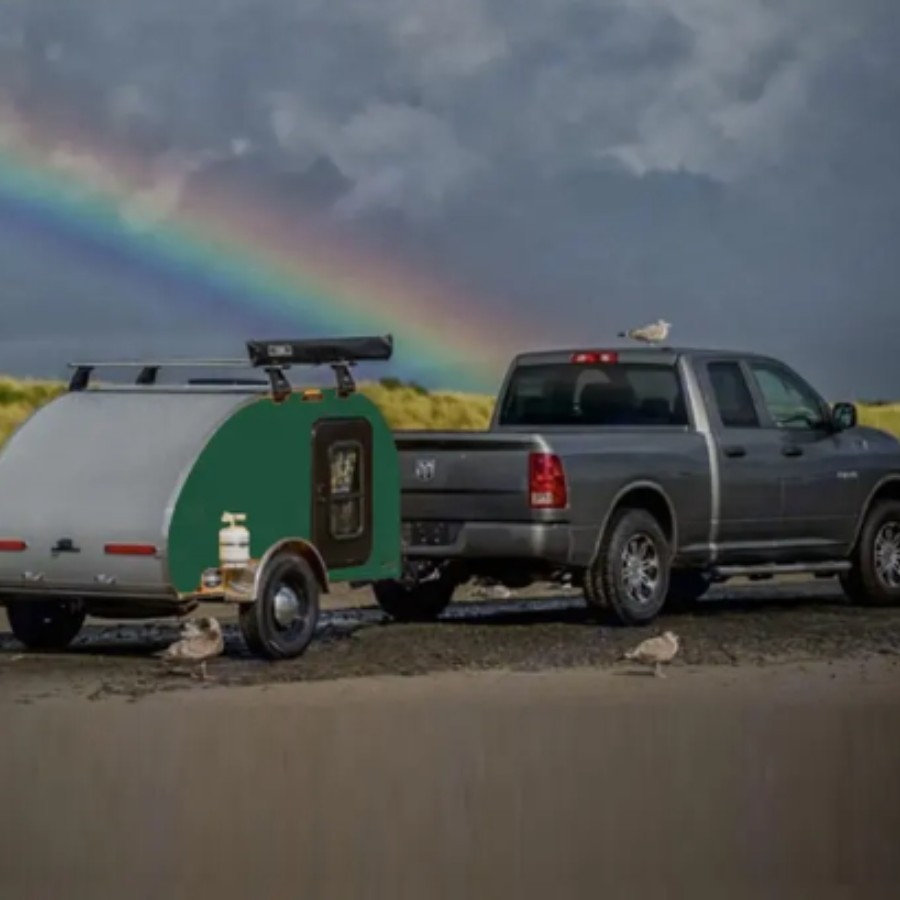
<point x="731" y="165"/>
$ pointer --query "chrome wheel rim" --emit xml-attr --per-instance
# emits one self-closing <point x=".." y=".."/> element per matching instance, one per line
<point x="640" y="569"/>
<point x="887" y="555"/>
<point x="287" y="607"/>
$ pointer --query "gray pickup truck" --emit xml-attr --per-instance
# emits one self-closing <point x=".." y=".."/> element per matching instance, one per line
<point x="645" y="475"/>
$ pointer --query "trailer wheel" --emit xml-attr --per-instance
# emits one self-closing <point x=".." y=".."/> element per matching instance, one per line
<point x="633" y="567"/>
<point x="45" y="624"/>
<point x="282" y="621"/>
<point x="422" y="602"/>
<point x="874" y="579"/>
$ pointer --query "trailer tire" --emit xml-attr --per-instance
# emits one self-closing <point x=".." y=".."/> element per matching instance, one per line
<point x="45" y="624"/>
<point x="874" y="579"/>
<point x="631" y="532"/>
<point x="422" y="602"/>
<point x="282" y="622"/>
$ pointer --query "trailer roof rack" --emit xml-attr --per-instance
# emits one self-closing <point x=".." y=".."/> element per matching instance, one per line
<point x="273" y="356"/>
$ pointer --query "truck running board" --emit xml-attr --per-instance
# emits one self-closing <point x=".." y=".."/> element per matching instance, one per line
<point x="819" y="569"/>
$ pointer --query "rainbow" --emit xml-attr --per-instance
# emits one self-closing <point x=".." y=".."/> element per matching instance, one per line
<point x="226" y="249"/>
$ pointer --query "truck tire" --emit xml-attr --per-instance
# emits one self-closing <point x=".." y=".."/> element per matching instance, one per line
<point x="592" y="590"/>
<point x="874" y="579"/>
<point x="45" y="624"/>
<point x="633" y="566"/>
<point x="422" y="602"/>
<point x="686" y="587"/>
<point x="282" y="621"/>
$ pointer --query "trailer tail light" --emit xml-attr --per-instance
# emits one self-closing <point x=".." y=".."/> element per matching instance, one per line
<point x="130" y="550"/>
<point x="12" y="545"/>
<point x="595" y="357"/>
<point x="547" y="482"/>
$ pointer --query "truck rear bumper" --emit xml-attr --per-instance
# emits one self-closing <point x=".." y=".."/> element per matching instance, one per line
<point x="549" y="542"/>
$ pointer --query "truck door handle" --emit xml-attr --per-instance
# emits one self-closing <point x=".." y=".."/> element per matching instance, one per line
<point x="734" y="451"/>
<point x="791" y="450"/>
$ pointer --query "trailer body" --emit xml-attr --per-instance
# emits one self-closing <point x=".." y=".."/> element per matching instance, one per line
<point x="114" y="496"/>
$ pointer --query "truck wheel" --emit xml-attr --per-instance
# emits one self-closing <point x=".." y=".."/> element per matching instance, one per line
<point x="633" y="566"/>
<point x="45" y="624"/>
<point x="282" y="621"/>
<point x="421" y="602"/>
<point x="686" y="587"/>
<point x="874" y="579"/>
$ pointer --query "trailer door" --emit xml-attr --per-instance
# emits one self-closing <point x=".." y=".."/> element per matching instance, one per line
<point x="342" y="491"/>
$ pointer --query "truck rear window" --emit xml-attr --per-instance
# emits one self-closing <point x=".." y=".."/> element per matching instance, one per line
<point x="621" y="394"/>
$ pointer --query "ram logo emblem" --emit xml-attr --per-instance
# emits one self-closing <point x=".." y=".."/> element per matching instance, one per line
<point x="425" y="469"/>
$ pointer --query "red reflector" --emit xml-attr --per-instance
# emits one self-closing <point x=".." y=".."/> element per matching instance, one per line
<point x="595" y="357"/>
<point x="130" y="549"/>
<point x="546" y="482"/>
<point x="12" y="545"/>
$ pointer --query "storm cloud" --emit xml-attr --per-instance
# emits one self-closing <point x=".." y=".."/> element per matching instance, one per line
<point x="732" y="165"/>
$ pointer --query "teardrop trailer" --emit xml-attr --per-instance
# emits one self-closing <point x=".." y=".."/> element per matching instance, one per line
<point x="143" y="500"/>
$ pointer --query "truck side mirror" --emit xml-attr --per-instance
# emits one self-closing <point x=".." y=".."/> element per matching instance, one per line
<point x="843" y="416"/>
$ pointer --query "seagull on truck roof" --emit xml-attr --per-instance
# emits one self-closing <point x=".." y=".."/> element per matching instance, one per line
<point x="654" y="333"/>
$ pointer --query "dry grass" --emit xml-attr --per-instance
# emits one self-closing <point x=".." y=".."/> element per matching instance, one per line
<point x="404" y="406"/>
<point x="886" y="416"/>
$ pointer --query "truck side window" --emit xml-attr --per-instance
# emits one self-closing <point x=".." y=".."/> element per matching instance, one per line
<point x="790" y="403"/>
<point x="733" y="398"/>
<point x="346" y="490"/>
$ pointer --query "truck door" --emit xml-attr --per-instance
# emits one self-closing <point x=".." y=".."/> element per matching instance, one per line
<point x="819" y="471"/>
<point x="749" y="459"/>
<point x="342" y="491"/>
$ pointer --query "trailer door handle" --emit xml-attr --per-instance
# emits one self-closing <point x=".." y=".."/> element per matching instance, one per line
<point x="734" y="451"/>
<point x="792" y="450"/>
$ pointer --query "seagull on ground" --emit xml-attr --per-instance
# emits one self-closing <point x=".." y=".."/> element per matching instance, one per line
<point x="201" y="639"/>
<point x="654" y="333"/>
<point x="655" y="651"/>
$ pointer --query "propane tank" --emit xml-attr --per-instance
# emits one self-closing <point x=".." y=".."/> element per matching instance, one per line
<point x="234" y="542"/>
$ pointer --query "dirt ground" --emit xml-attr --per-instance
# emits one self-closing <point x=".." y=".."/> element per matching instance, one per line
<point x="524" y="760"/>
<point x="536" y="630"/>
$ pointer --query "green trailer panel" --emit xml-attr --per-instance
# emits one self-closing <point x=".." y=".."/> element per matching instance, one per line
<point x="262" y="462"/>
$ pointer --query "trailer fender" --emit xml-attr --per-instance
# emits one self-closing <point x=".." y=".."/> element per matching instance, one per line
<point x="302" y="548"/>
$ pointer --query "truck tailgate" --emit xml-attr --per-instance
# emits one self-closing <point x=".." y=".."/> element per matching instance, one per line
<point x="476" y="476"/>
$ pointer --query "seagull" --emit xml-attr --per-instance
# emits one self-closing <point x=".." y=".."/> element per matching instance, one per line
<point x="654" y="333"/>
<point x="655" y="651"/>
<point x="200" y="640"/>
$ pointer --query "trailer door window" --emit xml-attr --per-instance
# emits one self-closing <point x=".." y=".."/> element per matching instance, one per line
<point x="342" y="498"/>
<point x="346" y="499"/>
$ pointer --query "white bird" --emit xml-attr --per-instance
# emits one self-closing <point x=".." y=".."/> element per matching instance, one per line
<point x="654" y="333"/>
<point x="200" y="640"/>
<point x="655" y="651"/>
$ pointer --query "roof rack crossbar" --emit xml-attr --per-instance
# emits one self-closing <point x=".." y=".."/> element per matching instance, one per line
<point x="274" y="356"/>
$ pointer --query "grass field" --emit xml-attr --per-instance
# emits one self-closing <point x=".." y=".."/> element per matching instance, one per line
<point x="404" y="406"/>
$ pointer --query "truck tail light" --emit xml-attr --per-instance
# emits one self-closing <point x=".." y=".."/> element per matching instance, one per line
<point x="130" y="550"/>
<point x="547" y="482"/>
<point x="595" y="357"/>
<point x="12" y="545"/>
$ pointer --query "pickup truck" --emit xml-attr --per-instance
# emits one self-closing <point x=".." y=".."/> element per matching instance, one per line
<point x="646" y="474"/>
